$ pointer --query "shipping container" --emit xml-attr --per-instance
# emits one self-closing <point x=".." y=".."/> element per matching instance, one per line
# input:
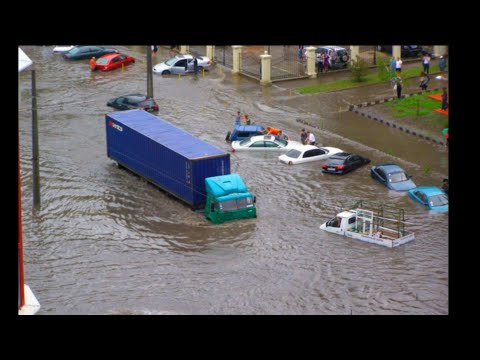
<point x="163" y="154"/>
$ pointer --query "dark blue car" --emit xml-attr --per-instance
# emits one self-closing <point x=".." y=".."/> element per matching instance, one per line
<point x="241" y="132"/>
<point x="431" y="197"/>
<point x="393" y="177"/>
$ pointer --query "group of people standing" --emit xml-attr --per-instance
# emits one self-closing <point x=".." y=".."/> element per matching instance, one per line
<point x="307" y="137"/>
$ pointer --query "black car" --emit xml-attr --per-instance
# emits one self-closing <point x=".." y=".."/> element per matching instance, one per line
<point x="134" y="101"/>
<point x="87" y="52"/>
<point x="406" y="50"/>
<point x="342" y="163"/>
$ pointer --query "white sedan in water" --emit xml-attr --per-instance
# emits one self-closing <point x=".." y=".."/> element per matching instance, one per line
<point x="62" y="49"/>
<point x="308" y="153"/>
<point x="264" y="142"/>
<point x="181" y="64"/>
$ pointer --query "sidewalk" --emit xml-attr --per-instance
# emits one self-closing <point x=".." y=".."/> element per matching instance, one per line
<point x="345" y="74"/>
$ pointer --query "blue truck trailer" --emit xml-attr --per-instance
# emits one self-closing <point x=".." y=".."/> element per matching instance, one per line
<point x="171" y="159"/>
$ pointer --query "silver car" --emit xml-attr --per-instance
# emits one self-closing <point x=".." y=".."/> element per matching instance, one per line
<point x="181" y="64"/>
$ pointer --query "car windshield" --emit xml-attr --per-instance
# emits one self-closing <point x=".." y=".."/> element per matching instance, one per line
<point x="438" y="200"/>
<point x="231" y="205"/>
<point x="397" y="177"/>
<point x="74" y="51"/>
<point x="245" y="141"/>
<point x="171" y="62"/>
<point x="102" y="61"/>
<point x="335" y="161"/>
<point x="295" y="154"/>
<point x="283" y="142"/>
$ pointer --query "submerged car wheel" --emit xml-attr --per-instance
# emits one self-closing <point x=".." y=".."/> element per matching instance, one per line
<point x="165" y="72"/>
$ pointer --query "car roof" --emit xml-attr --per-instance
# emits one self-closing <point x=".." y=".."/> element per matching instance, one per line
<point x="140" y="97"/>
<point x="110" y="55"/>
<point x="390" y="168"/>
<point x="429" y="190"/>
<point x="248" y="128"/>
<point x="262" y="137"/>
<point x="306" y="147"/>
<point x="184" y="56"/>
<point x="341" y="155"/>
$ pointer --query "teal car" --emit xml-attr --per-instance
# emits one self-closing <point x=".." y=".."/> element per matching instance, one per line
<point x="431" y="197"/>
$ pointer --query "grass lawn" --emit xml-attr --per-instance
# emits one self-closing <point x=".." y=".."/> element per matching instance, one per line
<point x="347" y="83"/>
<point x="418" y="111"/>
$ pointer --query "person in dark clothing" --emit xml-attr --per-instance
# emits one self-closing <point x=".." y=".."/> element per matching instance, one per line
<point x="444" y="99"/>
<point x="445" y="186"/>
<point x="398" y="84"/>
<point x="442" y="63"/>
<point x="195" y="65"/>
<point x="424" y="81"/>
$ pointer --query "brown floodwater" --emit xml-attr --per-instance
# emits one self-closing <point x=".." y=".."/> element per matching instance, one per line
<point x="106" y="242"/>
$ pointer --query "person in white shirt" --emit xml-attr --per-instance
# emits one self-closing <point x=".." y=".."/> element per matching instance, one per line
<point x="426" y="63"/>
<point x="311" y="138"/>
<point x="398" y="65"/>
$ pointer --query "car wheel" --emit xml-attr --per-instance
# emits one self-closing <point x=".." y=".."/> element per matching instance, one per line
<point x="344" y="58"/>
<point x="165" y="72"/>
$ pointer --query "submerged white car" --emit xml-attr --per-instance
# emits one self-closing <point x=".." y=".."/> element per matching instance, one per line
<point x="181" y="64"/>
<point x="62" y="49"/>
<point x="264" y="142"/>
<point x="308" y="153"/>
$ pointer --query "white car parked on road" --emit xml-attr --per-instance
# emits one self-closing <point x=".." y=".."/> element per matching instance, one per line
<point x="181" y="64"/>
<point x="308" y="153"/>
<point x="264" y="142"/>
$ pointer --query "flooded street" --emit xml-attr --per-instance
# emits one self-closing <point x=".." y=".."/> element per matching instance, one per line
<point x="106" y="242"/>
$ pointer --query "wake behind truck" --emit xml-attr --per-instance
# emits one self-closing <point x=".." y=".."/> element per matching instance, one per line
<point x="186" y="167"/>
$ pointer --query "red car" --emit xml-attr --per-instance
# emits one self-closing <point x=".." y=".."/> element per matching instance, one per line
<point x="113" y="61"/>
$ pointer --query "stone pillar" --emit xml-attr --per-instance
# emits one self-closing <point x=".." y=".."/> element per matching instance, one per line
<point x="210" y="51"/>
<point x="184" y="49"/>
<point x="439" y="50"/>
<point x="354" y="51"/>
<point x="266" y="68"/>
<point x="397" y="51"/>
<point x="310" y="54"/>
<point x="237" y="53"/>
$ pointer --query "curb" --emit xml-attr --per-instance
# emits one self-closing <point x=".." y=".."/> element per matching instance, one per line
<point x="354" y="108"/>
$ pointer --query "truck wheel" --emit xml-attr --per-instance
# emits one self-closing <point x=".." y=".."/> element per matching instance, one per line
<point x="227" y="138"/>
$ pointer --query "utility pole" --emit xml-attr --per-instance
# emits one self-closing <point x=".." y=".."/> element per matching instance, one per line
<point x="149" y="72"/>
<point x="35" y="155"/>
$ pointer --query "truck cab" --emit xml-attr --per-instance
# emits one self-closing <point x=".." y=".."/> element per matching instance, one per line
<point x="228" y="199"/>
<point x="344" y="221"/>
<point x="241" y="132"/>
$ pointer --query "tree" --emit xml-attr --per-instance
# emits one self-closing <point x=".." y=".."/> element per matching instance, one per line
<point x="358" y="69"/>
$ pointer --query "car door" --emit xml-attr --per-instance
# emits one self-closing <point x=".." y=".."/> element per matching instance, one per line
<point x="258" y="145"/>
<point x="354" y="162"/>
<point x="189" y="65"/>
<point x="179" y="67"/>
<point x="122" y="60"/>
<point x="120" y="103"/>
<point x="82" y="54"/>
<point x="422" y="198"/>
<point x="270" y="145"/>
<point x="115" y="63"/>
<point x="88" y="52"/>
<point x="380" y="175"/>
<point x="312" y="155"/>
